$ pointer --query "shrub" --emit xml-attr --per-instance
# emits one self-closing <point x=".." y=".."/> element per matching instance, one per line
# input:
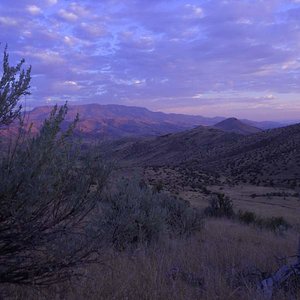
<point x="158" y="186"/>
<point x="181" y="218"/>
<point x="131" y="216"/>
<point x="14" y="83"/>
<point x="220" y="206"/>
<point x="46" y="194"/>
<point x="135" y="215"/>
<point x="273" y="223"/>
<point x="247" y="217"/>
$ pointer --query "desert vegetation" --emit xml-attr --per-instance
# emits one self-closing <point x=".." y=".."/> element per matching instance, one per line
<point x="73" y="227"/>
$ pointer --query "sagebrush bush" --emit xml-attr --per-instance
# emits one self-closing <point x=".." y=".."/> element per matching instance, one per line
<point x="247" y="217"/>
<point x="273" y="223"/>
<point x="135" y="215"/>
<point x="46" y="195"/>
<point x="132" y="215"/>
<point x="220" y="206"/>
<point x="181" y="218"/>
<point x="14" y="83"/>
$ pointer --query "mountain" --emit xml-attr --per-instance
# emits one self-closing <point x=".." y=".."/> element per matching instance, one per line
<point x="266" y="124"/>
<point x="271" y="157"/>
<point x="122" y="112"/>
<point x="111" y="121"/>
<point x="117" y="121"/>
<point x="237" y="126"/>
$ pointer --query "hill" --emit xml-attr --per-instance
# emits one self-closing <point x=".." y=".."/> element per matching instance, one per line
<point x="237" y="126"/>
<point x="266" y="158"/>
<point x="171" y="149"/>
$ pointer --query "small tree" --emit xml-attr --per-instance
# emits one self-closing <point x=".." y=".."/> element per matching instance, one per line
<point x="14" y="84"/>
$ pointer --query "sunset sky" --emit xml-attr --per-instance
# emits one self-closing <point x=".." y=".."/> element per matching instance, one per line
<point x="227" y="58"/>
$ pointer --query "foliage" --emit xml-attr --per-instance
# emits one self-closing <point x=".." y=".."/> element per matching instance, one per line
<point x="131" y="216"/>
<point x="135" y="215"/>
<point x="14" y="84"/>
<point x="273" y="223"/>
<point x="247" y="217"/>
<point x="181" y="218"/>
<point x="46" y="194"/>
<point x="158" y="186"/>
<point x="220" y="206"/>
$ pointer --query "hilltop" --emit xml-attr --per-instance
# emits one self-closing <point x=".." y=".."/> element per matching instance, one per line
<point x="237" y="126"/>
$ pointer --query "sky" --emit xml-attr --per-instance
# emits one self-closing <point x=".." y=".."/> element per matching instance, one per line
<point x="208" y="57"/>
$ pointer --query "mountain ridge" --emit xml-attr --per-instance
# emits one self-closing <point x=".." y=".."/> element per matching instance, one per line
<point x="113" y="121"/>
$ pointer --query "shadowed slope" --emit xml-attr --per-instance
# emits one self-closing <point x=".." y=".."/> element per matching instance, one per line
<point x="267" y="157"/>
<point x="235" y="125"/>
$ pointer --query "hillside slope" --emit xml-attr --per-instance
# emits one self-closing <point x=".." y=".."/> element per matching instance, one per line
<point x="170" y="149"/>
<point x="236" y="126"/>
<point x="269" y="157"/>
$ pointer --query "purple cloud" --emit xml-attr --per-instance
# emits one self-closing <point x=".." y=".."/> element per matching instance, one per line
<point x="160" y="54"/>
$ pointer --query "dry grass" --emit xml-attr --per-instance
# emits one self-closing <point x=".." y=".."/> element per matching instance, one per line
<point x="263" y="205"/>
<point x="215" y="264"/>
<point x="274" y="206"/>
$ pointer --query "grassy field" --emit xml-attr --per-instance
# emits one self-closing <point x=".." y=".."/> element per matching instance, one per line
<point x="224" y="261"/>
<point x="265" y="203"/>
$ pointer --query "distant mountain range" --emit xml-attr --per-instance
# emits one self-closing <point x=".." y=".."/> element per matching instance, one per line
<point x="118" y="121"/>
<point x="115" y="121"/>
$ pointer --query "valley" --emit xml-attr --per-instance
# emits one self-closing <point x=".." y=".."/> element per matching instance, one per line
<point x="203" y="208"/>
<point x="150" y="150"/>
<point x="258" y="170"/>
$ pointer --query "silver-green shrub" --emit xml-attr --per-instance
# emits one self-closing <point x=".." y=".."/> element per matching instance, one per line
<point x="47" y="193"/>
<point x="135" y="215"/>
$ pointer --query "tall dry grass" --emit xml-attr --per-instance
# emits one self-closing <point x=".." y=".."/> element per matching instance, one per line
<point x="221" y="262"/>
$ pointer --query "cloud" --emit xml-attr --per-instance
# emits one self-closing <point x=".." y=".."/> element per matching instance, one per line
<point x="90" y="31"/>
<point x="52" y="2"/>
<point x="160" y="54"/>
<point x="196" y="11"/>
<point x="33" y="9"/>
<point x="67" y="15"/>
<point x="8" y="21"/>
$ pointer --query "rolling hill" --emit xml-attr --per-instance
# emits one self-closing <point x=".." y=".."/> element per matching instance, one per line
<point x="267" y="158"/>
